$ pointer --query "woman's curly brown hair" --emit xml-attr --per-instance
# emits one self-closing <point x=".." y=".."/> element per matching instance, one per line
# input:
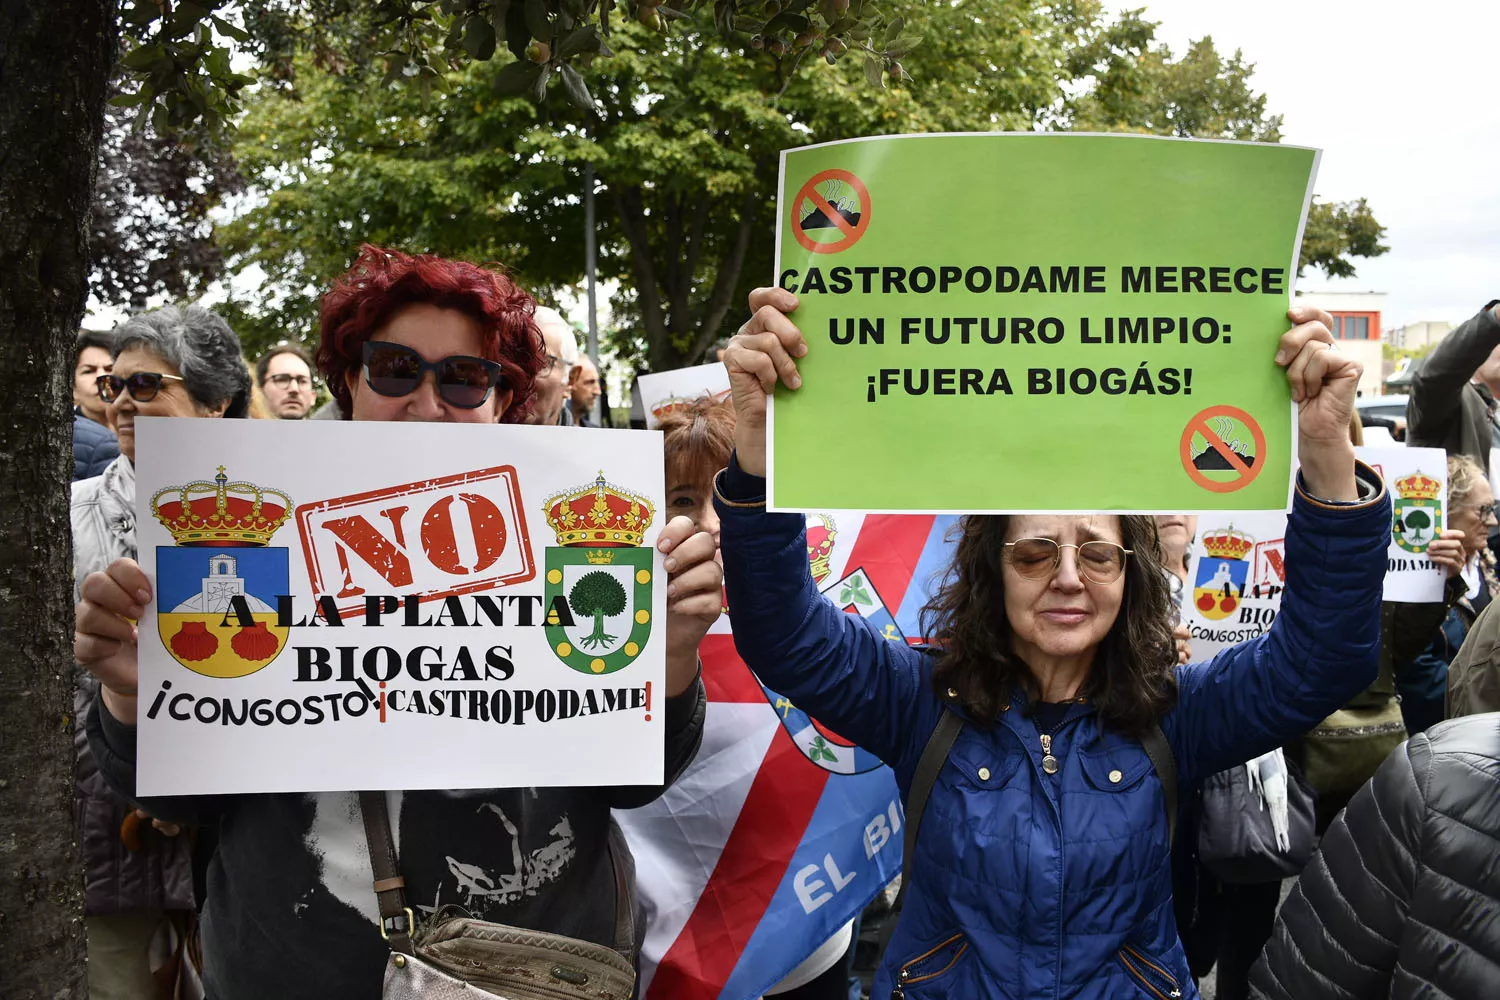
<point x="1133" y="680"/>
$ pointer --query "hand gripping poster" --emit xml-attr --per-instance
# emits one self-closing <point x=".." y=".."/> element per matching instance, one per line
<point x="781" y="830"/>
<point x="1099" y="313"/>
<point x="1237" y="562"/>
<point x="335" y="601"/>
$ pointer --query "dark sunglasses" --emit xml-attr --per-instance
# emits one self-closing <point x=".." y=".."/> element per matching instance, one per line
<point x="397" y="370"/>
<point x="143" y="386"/>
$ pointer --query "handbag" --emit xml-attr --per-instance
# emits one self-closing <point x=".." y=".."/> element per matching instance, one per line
<point x="454" y="956"/>
<point x="1237" y="840"/>
<point x="1345" y="750"/>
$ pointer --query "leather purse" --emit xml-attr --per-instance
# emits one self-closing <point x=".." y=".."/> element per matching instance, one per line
<point x="453" y="956"/>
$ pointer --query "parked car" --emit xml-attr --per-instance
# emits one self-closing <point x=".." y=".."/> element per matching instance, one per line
<point x="1383" y="418"/>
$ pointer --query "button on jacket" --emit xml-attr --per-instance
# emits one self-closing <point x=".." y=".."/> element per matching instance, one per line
<point x="1026" y="884"/>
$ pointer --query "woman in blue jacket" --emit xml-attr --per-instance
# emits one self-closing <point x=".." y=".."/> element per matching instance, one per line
<point x="1042" y="865"/>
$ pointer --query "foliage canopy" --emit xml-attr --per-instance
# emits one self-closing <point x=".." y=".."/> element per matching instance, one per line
<point x="458" y="127"/>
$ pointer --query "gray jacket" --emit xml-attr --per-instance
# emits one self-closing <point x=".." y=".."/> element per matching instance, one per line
<point x="1400" y="900"/>
<point x="116" y="879"/>
<point x="1474" y="674"/>
<point x="1445" y="409"/>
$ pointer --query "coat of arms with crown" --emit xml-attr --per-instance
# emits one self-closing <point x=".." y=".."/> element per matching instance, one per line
<point x="604" y="574"/>
<point x="1222" y="572"/>
<point x="1419" y="511"/>
<point x="218" y="584"/>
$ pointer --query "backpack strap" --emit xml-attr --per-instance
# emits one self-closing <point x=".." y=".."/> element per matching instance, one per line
<point x="397" y="923"/>
<point x="1162" y="759"/>
<point x="934" y="756"/>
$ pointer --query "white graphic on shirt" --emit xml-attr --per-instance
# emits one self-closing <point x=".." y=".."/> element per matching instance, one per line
<point x="336" y="839"/>
<point x="481" y="888"/>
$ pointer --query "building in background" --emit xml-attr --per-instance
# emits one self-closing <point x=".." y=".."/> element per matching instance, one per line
<point x="1356" y="326"/>
<point x="1419" y="336"/>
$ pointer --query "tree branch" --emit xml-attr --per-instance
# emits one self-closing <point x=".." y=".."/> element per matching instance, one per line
<point x="633" y="221"/>
<point x="728" y="278"/>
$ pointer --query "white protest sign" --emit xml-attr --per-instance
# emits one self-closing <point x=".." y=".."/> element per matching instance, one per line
<point x="663" y="393"/>
<point x="1237" y="561"/>
<point x="398" y="605"/>
<point x="1417" y="479"/>
<point x="1236" y="572"/>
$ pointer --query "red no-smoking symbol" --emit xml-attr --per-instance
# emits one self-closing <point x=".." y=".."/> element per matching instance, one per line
<point x="1233" y="451"/>
<point x="831" y="202"/>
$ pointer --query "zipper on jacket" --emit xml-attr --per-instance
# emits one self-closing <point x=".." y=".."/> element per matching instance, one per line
<point x="1049" y="762"/>
<point x="908" y="975"/>
<point x="1139" y="967"/>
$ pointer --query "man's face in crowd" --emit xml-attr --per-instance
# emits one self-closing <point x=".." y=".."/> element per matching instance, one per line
<point x="288" y="387"/>
<point x="551" y="383"/>
<point x="92" y="362"/>
<point x="585" y="386"/>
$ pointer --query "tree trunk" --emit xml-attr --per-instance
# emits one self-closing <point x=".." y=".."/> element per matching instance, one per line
<point x="54" y="66"/>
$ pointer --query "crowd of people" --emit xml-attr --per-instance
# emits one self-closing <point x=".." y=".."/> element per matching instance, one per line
<point x="1055" y="859"/>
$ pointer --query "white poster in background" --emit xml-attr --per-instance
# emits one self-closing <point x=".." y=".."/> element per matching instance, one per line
<point x="663" y="393"/>
<point x="1417" y="479"/>
<point x="398" y="605"/>
<point x="1237" y="564"/>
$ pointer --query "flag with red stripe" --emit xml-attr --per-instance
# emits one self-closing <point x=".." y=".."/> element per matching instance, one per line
<point x="781" y="831"/>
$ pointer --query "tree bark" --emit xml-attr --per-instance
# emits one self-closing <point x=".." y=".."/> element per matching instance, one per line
<point x="54" y="67"/>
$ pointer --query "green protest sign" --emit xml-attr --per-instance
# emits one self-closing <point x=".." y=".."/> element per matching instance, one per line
<point x="1038" y="322"/>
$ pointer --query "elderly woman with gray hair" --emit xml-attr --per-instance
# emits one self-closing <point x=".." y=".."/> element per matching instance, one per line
<point x="138" y="887"/>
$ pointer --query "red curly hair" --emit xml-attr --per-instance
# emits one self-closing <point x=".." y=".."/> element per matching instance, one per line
<point x="383" y="282"/>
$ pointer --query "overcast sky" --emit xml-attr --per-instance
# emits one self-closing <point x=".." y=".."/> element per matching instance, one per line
<point x="1404" y="100"/>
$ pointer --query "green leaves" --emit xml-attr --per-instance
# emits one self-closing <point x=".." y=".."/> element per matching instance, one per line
<point x="854" y="591"/>
<point x="181" y="67"/>
<point x="516" y="78"/>
<point x="820" y="750"/>
<point x="577" y="91"/>
<point x="479" y="37"/>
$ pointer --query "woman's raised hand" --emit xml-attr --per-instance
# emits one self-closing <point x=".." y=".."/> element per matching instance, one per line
<point x="1447" y="550"/>
<point x="759" y="356"/>
<point x="1323" y="384"/>
<point x="104" y="632"/>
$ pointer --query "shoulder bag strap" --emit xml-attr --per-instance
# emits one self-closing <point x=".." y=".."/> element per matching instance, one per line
<point x="934" y="756"/>
<point x="1160" y="752"/>
<point x="396" y="919"/>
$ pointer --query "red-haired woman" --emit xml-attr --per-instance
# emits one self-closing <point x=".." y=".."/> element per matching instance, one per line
<point x="291" y="911"/>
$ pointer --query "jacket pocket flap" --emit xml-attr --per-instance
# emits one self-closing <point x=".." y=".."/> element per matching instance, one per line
<point x="1114" y="772"/>
<point x="984" y="764"/>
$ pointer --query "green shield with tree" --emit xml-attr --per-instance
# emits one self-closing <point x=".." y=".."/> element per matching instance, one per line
<point x="1418" y="521"/>
<point x="608" y="594"/>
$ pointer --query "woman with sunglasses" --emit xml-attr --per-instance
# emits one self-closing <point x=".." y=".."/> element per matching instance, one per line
<point x="168" y="363"/>
<point x="1041" y="866"/>
<point x="291" y="910"/>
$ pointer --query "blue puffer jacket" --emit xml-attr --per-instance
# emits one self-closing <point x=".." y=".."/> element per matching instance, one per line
<point x="94" y="447"/>
<point x="1028" y="885"/>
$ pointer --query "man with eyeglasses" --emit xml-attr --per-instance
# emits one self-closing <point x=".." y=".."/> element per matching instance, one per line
<point x="561" y="346"/>
<point x="284" y="375"/>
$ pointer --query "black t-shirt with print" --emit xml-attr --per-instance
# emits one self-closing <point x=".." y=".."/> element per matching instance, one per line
<point x="290" y="911"/>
